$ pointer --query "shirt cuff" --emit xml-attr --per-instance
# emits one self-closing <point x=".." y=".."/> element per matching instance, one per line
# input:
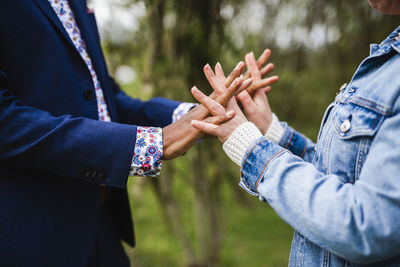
<point x="181" y="110"/>
<point x="148" y="152"/>
<point x="239" y="141"/>
<point x="275" y="130"/>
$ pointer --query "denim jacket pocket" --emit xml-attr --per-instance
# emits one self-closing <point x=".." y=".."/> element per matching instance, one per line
<point x="352" y="120"/>
<point x="354" y="128"/>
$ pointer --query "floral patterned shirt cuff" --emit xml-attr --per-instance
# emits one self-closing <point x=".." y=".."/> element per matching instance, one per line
<point x="181" y="110"/>
<point x="148" y="152"/>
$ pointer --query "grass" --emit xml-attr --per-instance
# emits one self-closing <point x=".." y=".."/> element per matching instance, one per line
<point x="253" y="236"/>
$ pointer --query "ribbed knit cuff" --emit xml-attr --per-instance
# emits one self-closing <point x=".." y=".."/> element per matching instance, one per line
<point x="239" y="141"/>
<point x="275" y="130"/>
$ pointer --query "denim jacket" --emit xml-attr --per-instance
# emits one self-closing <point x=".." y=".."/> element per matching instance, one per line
<point x="342" y="194"/>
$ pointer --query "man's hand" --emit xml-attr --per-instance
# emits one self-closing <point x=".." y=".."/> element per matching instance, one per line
<point x="180" y="136"/>
<point x="255" y="103"/>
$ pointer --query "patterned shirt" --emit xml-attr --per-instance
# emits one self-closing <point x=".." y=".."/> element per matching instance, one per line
<point x="146" y="159"/>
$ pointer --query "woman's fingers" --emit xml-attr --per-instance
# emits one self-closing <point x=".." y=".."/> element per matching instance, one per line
<point x="252" y="66"/>
<point x="260" y="98"/>
<point x="219" y="72"/>
<point x="263" y="58"/>
<point x="246" y="84"/>
<point x="262" y="83"/>
<point x="217" y="120"/>
<point x="248" y="104"/>
<point x="260" y="61"/>
<point x="267" y="90"/>
<point x="267" y="69"/>
<point x="206" y="127"/>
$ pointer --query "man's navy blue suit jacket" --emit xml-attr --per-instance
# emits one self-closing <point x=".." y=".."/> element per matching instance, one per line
<point x="54" y="153"/>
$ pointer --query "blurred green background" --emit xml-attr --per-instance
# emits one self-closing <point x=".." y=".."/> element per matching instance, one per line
<point x="195" y="214"/>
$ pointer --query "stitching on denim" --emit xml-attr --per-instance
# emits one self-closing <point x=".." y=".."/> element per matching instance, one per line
<point x="326" y="258"/>
<point x="379" y="107"/>
<point x="290" y="140"/>
<point x="305" y="147"/>
<point x="327" y="148"/>
<point x="370" y="131"/>
<point x="363" y="151"/>
<point x="265" y="167"/>
<point x="248" y="155"/>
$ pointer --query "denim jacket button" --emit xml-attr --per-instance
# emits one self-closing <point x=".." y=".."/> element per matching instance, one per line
<point x="345" y="126"/>
<point x="343" y="87"/>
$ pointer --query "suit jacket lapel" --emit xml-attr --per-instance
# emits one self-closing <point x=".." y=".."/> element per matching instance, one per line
<point x="86" y="23"/>
<point x="47" y="9"/>
<point x="89" y="35"/>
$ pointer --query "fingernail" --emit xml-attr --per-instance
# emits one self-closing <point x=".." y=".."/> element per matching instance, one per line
<point x="194" y="89"/>
<point x="249" y="80"/>
<point x="230" y="113"/>
<point x="239" y="65"/>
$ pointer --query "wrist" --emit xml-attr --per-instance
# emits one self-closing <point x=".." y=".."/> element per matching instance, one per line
<point x="275" y="130"/>
<point x="241" y="138"/>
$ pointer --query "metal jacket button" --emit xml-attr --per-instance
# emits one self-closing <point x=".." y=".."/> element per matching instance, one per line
<point x="343" y="87"/>
<point x="345" y="126"/>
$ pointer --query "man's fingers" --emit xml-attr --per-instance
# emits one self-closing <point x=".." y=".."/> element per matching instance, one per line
<point x="220" y="72"/>
<point x="246" y="84"/>
<point x="215" y="83"/>
<point x="213" y="107"/>
<point x="267" y="69"/>
<point x="252" y="66"/>
<point x="262" y="83"/>
<point x="236" y="72"/>
<point x="230" y="92"/>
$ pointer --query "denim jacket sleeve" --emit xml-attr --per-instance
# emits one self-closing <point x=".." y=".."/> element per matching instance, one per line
<point x="297" y="143"/>
<point x="358" y="221"/>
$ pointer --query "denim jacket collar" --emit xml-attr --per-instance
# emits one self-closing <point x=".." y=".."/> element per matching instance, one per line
<point x="386" y="45"/>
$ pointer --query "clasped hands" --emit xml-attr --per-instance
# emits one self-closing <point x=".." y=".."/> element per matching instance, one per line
<point x="219" y="114"/>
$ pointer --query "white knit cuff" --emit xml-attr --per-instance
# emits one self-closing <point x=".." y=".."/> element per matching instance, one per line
<point x="239" y="141"/>
<point x="275" y="130"/>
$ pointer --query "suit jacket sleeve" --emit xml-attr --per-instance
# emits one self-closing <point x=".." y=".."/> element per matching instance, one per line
<point x="76" y="148"/>
<point x="155" y="112"/>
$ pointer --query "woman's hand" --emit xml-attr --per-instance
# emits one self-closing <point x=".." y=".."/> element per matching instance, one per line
<point x="232" y="115"/>
<point x="256" y="105"/>
<point x="179" y="136"/>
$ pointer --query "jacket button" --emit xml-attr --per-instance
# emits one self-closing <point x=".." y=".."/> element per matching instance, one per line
<point x="88" y="94"/>
<point x="345" y="126"/>
<point x="343" y="87"/>
<point x="101" y="176"/>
